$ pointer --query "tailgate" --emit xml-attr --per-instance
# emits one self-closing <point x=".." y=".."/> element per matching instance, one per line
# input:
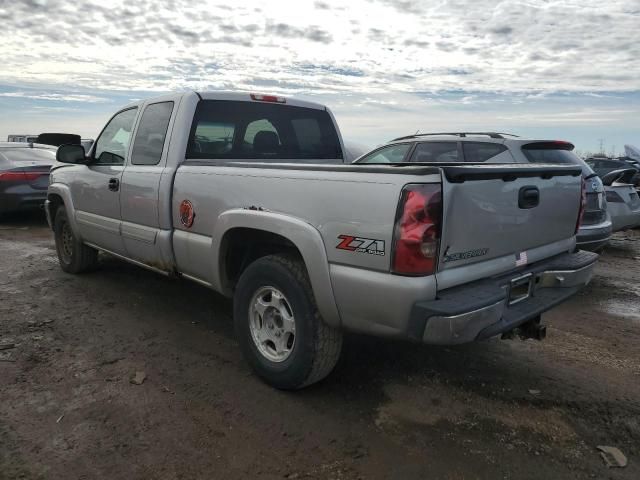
<point x="493" y="211"/>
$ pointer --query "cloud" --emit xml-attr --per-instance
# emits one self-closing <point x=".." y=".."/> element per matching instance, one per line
<point x="506" y="30"/>
<point x="284" y="30"/>
<point x="399" y="53"/>
<point x="507" y="46"/>
<point x="57" y="97"/>
<point x="412" y="42"/>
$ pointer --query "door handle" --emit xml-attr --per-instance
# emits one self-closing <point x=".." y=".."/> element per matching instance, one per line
<point x="114" y="184"/>
<point x="528" y="197"/>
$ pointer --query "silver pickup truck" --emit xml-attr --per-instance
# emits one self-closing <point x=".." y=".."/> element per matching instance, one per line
<point x="249" y="195"/>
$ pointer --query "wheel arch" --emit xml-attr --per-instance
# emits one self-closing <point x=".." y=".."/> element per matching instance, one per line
<point x="264" y="233"/>
<point x="58" y="195"/>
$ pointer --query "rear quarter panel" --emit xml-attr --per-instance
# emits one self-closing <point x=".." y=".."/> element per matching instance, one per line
<point x="335" y="203"/>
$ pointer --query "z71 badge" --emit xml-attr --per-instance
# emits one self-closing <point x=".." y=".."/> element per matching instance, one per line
<point x="361" y="245"/>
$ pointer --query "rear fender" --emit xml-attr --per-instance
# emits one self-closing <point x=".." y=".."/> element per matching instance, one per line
<point x="304" y="236"/>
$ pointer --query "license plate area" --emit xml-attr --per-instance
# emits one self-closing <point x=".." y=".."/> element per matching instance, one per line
<point x="520" y="288"/>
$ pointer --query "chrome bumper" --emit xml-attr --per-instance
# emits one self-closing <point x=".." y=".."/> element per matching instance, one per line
<point x="488" y="308"/>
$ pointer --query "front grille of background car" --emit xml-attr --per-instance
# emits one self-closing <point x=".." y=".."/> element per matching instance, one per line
<point x="593" y="214"/>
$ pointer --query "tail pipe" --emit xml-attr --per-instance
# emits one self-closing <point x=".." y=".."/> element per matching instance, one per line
<point x="530" y="329"/>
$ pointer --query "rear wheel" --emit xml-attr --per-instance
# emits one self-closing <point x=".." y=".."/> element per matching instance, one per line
<point x="73" y="255"/>
<point x="279" y="327"/>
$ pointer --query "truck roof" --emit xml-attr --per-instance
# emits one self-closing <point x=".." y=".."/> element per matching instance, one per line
<point x="231" y="96"/>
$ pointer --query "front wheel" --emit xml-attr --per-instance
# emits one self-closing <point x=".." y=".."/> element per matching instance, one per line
<point x="279" y="327"/>
<point x="73" y="255"/>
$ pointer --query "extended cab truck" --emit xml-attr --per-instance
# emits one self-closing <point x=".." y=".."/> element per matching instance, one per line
<point x="248" y="195"/>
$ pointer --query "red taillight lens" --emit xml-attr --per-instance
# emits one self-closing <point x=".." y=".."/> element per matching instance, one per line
<point x="583" y="205"/>
<point x="12" y="177"/>
<point x="20" y="176"/>
<point x="417" y="230"/>
<point x="29" y="176"/>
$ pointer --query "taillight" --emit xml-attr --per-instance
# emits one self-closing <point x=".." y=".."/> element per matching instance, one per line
<point x="20" y="176"/>
<point x="34" y="175"/>
<point x="583" y="204"/>
<point x="11" y="176"/>
<point x="614" y="197"/>
<point x="417" y="230"/>
<point x="268" y="98"/>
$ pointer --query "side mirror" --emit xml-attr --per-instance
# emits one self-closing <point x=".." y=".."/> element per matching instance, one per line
<point x="71" y="154"/>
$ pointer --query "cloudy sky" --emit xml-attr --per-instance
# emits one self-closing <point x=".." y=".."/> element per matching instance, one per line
<point x="556" y="69"/>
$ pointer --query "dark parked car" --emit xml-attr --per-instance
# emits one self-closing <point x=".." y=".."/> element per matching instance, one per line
<point x="24" y="175"/>
<point x="603" y="166"/>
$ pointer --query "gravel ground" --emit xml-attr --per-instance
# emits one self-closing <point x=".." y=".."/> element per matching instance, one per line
<point x="496" y="409"/>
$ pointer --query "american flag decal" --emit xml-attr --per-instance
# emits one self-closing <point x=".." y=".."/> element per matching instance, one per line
<point x="521" y="259"/>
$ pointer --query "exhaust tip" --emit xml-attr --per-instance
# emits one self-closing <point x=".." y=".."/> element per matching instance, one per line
<point x="531" y="329"/>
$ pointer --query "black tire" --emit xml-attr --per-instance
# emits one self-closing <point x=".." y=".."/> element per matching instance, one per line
<point x="317" y="346"/>
<point x="73" y="255"/>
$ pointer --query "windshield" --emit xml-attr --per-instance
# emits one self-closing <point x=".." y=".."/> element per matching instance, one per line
<point x="28" y="155"/>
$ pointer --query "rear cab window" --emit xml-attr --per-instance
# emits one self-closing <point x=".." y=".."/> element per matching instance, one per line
<point x="237" y="130"/>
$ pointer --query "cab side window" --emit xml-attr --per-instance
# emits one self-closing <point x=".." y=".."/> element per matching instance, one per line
<point x="113" y="143"/>
<point x="150" y="135"/>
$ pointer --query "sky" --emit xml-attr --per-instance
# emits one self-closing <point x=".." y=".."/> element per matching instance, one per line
<point x="537" y="68"/>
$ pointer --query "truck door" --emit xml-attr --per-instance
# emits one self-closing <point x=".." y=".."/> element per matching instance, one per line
<point x="141" y="233"/>
<point x="96" y="190"/>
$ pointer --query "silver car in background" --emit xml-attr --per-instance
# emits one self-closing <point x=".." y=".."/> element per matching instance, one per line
<point x="354" y="150"/>
<point x="24" y="175"/>
<point x="623" y="202"/>
<point x="491" y="147"/>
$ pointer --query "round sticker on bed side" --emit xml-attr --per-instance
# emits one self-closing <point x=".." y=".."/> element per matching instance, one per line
<point x="187" y="215"/>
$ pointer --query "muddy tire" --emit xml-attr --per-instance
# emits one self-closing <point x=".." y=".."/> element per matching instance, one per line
<point x="73" y="255"/>
<point x="278" y="325"/>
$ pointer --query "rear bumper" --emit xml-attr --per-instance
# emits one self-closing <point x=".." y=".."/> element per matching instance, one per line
<point x="623" y="217"/>
<point x="593" y="237"/>
<point x="22" y="200"/>
<point x="482" y="309"/>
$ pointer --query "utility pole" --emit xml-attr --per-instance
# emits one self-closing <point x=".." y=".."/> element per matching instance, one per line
<point x="602" y="146"/>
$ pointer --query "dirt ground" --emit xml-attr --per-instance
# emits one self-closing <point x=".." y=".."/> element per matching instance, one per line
<point x="496" y="409"/>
